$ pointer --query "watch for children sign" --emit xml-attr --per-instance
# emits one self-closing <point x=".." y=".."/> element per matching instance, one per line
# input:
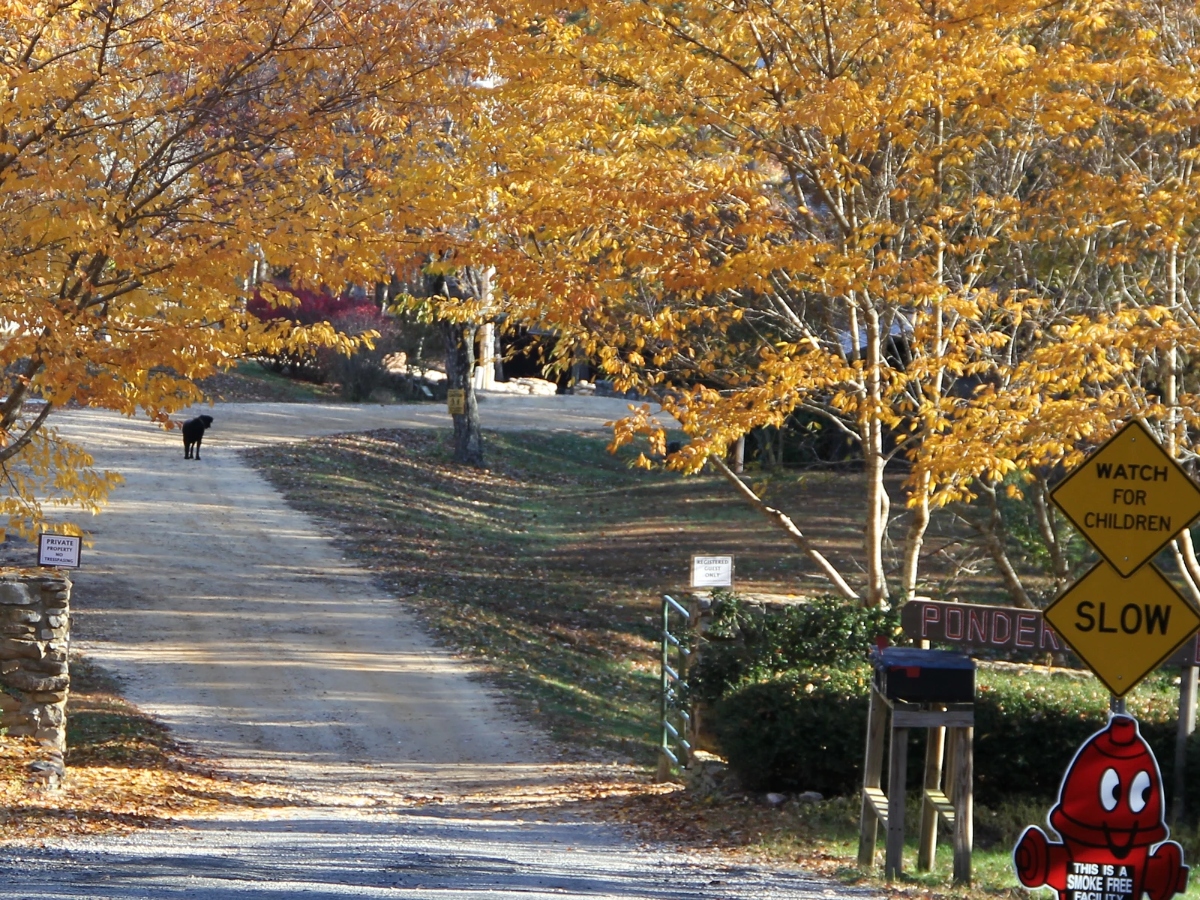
<point x="1129" y="498"/>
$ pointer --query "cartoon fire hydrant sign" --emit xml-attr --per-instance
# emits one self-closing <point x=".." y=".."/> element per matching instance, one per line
<point x="1110" y="817"/>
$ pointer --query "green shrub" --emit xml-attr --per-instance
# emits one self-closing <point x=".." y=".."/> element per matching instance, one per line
<point x="799" y="731"/>
<point x="806" y="730"/>
<point x="1027" y="729"/>
<point x="746" y="643"/>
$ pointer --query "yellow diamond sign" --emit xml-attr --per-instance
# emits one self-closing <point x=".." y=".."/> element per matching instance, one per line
<point x="1129" y="498"/>
<point x="1123" y="628"/>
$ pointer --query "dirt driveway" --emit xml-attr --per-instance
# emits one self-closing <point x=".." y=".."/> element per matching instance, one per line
<point x="236" y="621"/>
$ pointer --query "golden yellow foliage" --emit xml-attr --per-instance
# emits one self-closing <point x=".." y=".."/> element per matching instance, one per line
<point x="151" y="154"/>
<point x="961" y="233"/>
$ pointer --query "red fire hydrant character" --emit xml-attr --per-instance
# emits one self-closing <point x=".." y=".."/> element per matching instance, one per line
<point x="1110" y="816"/>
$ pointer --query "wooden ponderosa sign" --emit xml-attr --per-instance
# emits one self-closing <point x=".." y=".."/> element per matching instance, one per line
<point x="1006" y="628"/>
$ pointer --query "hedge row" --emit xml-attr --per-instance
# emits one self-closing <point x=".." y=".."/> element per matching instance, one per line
<point x="805" y="730"/>
<point x="746" y="643"/>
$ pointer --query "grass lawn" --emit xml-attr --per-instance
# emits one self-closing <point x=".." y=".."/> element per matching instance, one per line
<point x="550" y="566"/>
<point x="250" y="381"/>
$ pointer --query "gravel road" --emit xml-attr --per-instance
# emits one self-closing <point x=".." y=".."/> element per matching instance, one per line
<point x="237" y="621"/>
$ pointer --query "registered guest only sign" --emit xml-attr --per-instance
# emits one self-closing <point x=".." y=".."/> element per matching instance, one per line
<point x="1129" y="499"/>
<point x="712" y="571"/>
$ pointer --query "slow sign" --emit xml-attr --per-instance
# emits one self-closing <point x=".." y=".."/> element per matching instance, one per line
<point x="1122" y="627"/>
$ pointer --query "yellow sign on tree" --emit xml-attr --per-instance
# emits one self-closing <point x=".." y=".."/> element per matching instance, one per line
<point x="1123" y="628"/>
<point x="1129" y="498"/>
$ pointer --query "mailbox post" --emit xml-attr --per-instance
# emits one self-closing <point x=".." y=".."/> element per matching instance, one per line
<point x="935" y="690"/>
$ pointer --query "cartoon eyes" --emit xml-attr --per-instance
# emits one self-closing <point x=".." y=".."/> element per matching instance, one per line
<point x="1110" y="786"/>
<point x="1110" y="790"/>
<point x="1139" y="792"/>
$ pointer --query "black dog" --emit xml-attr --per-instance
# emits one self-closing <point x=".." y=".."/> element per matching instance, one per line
<point x="193" y="434"/>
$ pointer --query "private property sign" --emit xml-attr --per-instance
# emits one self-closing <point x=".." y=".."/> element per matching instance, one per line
<point x="59" y="550"/>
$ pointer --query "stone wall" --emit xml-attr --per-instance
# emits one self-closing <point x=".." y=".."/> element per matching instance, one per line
<point x="35" y="635"/>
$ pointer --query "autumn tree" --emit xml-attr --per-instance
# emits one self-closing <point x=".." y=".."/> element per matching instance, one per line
<point x="886" y="216"/>
<point x="148" y="154"/>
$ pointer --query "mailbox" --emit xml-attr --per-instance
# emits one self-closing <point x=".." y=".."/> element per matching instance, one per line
<point x="924" y="676"/>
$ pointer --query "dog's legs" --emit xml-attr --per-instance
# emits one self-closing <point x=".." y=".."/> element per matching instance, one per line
<point x="198" y="440"/>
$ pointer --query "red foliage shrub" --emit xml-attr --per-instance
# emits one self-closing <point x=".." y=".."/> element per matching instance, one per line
<point x="347" y="313"/>
<point x="314" y="306"/>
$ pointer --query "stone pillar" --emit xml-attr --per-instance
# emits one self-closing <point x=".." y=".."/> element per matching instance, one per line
<point x="35" y="636"/>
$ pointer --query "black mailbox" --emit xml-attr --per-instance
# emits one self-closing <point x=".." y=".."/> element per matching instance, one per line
<point x="924" y="676"/>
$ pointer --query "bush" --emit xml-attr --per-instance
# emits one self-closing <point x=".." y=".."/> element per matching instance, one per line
<point x="362" y="374"/>
<point x="806" y="730"/>
<point x="748" y="643"/>
<point x="349" y="313"/>
<point x="801" y="731"/>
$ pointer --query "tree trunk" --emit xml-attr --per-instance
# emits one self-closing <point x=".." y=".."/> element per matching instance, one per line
<point x="994" y="533"/>
<point x="874" y="463"/>
<point x="783" y="521"/>
<point x="1047" y="522"/>
<point x="460" y="375"/>
<point x="915" y="538"/>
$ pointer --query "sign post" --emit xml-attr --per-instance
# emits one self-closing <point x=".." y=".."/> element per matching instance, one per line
<point x="456" y="401"/>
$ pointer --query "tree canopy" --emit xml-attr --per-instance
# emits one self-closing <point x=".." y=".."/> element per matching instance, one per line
<point x="959" y="233"/>
<point x="151" y="154"/>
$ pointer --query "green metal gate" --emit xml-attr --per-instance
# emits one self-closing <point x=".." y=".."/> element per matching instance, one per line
<point x="675" y="751"/>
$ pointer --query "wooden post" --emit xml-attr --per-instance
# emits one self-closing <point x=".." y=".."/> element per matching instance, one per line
<point x="868" y="835"/>
<point x="964" y="827"/>
<point x="893" y="860"/>
<point x="1186" y="725"/>
<point x="739" y="455"/>
<point x="935" y="741"/>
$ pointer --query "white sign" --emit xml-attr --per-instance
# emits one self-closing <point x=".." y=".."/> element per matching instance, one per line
<point x="60" y="550"/>
<point x="712" y="571"/>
